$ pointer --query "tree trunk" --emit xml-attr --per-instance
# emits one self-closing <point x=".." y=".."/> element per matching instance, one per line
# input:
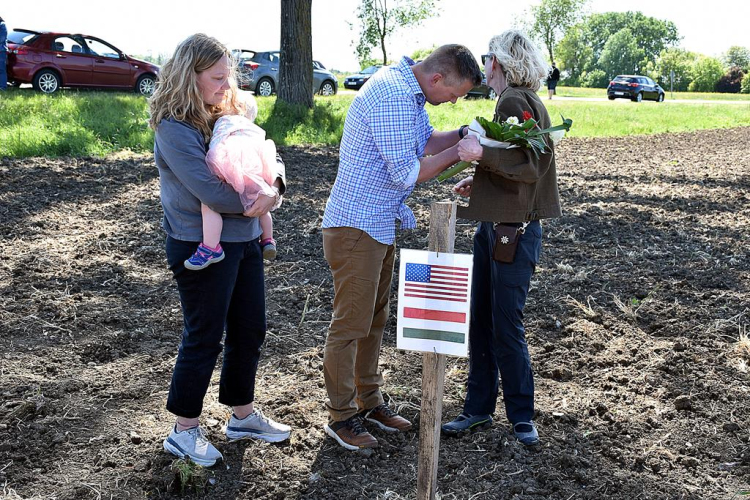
<point x="296" y="66"/>
<point x="382" y="47"/>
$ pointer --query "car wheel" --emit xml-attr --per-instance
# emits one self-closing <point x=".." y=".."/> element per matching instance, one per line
<point x="47" y="81"/>
<point x="660" y="98"/>
<point x="492" y="94"/>
<point x="327" y="88"/>
<point x="264" y="87"/>
<point x="611" y="97"/>
<point x="145" y="85"/>
<point x="638" y="97"/>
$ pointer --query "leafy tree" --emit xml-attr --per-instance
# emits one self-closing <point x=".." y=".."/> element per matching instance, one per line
<point x="652" y="35"/>
<point x="552" y="18"/>
<point x="738" y="56"/>
<point x="295" y="65"/>
<point x="706" y="72"/>
<point x="582" y="46"/>
<point x="574" y="56"/>
<point x="621" y="54"/>
<point x="379" y="20"/>
<point x="421" y="54"/>
<point x="366" y="63"/>
<point x="595" y="79"/>
<point x="731" y="81"/>
<point x="745" y="85"/>
<point x="673" y="61"/>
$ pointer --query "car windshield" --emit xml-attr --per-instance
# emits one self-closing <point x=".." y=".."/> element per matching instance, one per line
<point x="371" y="70"/>
<point x="20" y="37"/>
<point x="625" y="79"/>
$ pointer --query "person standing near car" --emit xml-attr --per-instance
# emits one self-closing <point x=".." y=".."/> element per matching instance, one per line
<point x="196" y="87"/>
<point x="511" y="190"/>
<point x="3" y="55"/>
<point x="387" y="147"/>
<point x="552" y="78"/>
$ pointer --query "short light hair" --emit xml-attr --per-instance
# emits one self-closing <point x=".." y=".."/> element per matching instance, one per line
<point x="521" y="60"/>
<point x="456" y="63"/>
<point x="177" y="94"/>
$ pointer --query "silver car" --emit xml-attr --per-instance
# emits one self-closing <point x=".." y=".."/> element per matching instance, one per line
<point x="259" y="72"/>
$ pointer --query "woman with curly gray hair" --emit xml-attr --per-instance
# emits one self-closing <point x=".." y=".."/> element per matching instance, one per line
<point x="510" y="192"/>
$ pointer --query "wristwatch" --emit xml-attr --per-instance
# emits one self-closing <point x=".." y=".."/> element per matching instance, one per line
<point x="462" y="131"/>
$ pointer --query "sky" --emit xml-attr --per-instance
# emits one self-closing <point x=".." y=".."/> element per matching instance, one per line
<point x="255" y="25"/>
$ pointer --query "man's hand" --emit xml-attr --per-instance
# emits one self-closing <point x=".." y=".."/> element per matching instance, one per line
<point x="463" y="188"/>
<point x="469" y="149"/>
<point x="262" y="205"/>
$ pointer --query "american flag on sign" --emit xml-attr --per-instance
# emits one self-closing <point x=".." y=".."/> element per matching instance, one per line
<point x="437" y="282"/>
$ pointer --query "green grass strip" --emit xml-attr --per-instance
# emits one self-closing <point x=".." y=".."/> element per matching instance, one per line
<point x="85" y="123"/>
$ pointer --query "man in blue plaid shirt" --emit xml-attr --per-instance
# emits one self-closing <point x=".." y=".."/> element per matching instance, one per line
<point x="388" y="146"/>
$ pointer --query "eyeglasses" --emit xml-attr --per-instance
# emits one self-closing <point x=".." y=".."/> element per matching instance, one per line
<point x="485" y="57"/>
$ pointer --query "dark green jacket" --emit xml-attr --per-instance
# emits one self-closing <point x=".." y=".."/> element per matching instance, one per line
<point x="512" y="185"/>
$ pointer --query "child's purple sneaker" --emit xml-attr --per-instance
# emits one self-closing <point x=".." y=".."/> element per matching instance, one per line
<point x="269" y="248"/>
<point x="204" y="257"/>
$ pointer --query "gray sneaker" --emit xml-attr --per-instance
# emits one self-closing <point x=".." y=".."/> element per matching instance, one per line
<point x="257" y="426"/>
<point x="193" y="444"/>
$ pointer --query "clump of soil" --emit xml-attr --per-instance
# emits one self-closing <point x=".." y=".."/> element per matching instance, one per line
<point x="637" y="323"/>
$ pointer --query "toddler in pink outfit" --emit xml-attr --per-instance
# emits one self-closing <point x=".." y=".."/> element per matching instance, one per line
<point x="240" y="155"/>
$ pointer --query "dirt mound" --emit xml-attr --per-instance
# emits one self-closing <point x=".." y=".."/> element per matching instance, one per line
<point x="635" y="321"/>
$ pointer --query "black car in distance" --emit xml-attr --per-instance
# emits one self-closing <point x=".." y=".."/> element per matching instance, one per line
<point x="634" y="87"/>
<point x="356" y="80"/>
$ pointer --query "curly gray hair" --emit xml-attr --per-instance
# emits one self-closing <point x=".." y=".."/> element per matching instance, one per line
<point x="521" y="60"/>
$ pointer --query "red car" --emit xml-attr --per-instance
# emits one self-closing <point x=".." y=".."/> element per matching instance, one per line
<point x="53" y="60"/>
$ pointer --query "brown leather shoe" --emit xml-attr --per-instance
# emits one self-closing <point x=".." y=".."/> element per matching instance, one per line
<point x="387" y="419"/>
<point x="351" y="434"/>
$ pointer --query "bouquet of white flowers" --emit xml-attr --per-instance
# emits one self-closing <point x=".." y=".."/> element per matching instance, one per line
<point x="509" y="134"/>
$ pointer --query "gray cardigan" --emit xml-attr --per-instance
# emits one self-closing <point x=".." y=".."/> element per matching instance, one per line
<point x="180" y="155"/>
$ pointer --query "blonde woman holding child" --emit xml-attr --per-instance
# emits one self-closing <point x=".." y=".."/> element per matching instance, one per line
<point x="196" y="88"/>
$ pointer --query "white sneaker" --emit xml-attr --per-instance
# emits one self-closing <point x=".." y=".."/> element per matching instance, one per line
<point x="193" y="444"/>
<point x="257" y="426"/>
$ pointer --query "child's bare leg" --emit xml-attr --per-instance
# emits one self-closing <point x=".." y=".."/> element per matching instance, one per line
<point x="212" y="226"/>
<point x="266" y="224"/>
<point x="266" y="239"/>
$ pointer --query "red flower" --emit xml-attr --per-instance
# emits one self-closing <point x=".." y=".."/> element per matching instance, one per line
<point x="527" y="115"/>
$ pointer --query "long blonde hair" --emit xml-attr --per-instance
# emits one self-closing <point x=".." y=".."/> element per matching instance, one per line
<point x="177" y="94"/>
<point x="521" y="60"/>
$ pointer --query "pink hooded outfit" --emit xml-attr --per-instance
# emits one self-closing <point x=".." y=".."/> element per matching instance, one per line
<point x="240" y="155"/>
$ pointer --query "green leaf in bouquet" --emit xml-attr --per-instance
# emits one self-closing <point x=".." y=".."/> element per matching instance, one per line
<point x="538" y="144"/>
<point x="565" y="125"/>
<point x="529" y="124"/>
<point x="493" y="130"/>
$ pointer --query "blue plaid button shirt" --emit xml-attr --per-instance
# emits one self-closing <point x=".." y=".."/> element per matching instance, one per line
<point x="385" y="134"/>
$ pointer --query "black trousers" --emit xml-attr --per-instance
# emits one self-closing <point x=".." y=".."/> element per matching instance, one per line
<point x="497" y="338"/>
<point x="227" y="296"/>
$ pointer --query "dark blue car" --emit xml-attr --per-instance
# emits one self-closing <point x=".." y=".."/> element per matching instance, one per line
<point x="358" y="79"/>
<point x="634" y="87"/>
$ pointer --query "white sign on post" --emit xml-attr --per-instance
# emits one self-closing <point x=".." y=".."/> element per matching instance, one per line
<point x="434" y="295"/>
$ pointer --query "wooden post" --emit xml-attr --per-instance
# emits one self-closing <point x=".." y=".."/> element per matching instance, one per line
<point x="442" y="238"/>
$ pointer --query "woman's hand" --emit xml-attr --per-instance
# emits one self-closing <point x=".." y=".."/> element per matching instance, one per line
<point x="463" y="188"/>
<point x="469" y="149"/>
<point x="262" y="205"/>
